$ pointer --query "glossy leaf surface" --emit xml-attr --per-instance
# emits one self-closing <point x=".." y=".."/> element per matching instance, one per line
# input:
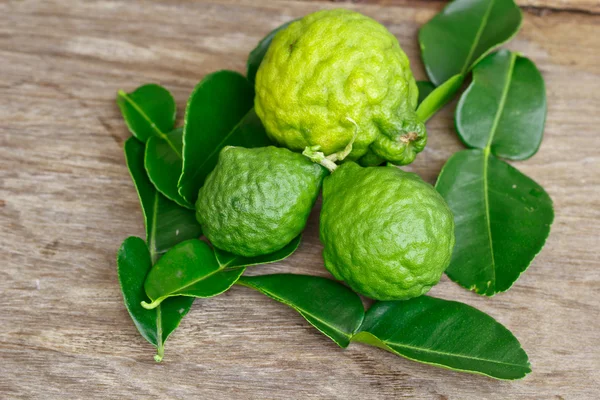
<point x="258" y="53"/>
<point x="148" y="111"/>
<point x="445" y="333"/>
<point x="439" y="97"/>
<point x="133" y="264"/>
<point x="328" y="305"/>
<point x="504" y="108"/>
<point x="454" y="40"/>
<point x="219" y="113"/>
<point x="229" y="260"/>
<point x="502" y="220"/>
<point x="163" y="162"/>
<point x="166" y="222"/>
<point x="188" y="269"/>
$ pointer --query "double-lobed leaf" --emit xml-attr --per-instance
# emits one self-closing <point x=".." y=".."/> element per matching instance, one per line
<point x="166" y="225"/>
<point x="166" y="222"/>
<point x="193" y="268"/>
<point x="504" y="108"/>
<point x="502" y="219"/>
<point x="332" y="308"/>
<point x="258" y="53"/>
<point x="219" y="113"/>
<point x="444" y="333"/>
<point x="462" y="34"/>
<point x="133" y="263"/>
<point x="188" y="269"/>
<point x="149" y="112"/>
<point x="423" y="329"/>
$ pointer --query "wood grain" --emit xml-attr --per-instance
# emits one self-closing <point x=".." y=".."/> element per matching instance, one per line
<point x="591" y="7"/>
<point x="66" y="204"/>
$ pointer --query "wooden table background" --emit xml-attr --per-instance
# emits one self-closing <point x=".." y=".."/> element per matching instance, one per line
<point x="67" y="203"/>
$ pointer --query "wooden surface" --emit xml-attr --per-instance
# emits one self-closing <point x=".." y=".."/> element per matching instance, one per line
<point x="66" y="204"/>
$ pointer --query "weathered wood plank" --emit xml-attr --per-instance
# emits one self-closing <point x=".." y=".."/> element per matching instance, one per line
<point x="534" y="6"/>
<point x="66" y="203"/>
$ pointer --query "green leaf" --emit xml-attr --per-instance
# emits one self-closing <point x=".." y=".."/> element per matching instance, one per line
<point x="188" y="269"/>
<point x="133" y="264"/>
<point x="219" y="113"/>
<point x="462" y="34"/>
<point x="193" y="269"/>
<point x="256" y="56"/>
<point x="148" y="111"/>
<point x="439" y="97"/>
<point x="502" y="220"/>
<point x="425" y="87"/>
<point x="445" y="333"/>
<point x="504" y="108"/>
<point x="230" y="260"/>
<point x="327" y="305"/>
<point x="166" y="223"/>
<point x="163" y="163"/>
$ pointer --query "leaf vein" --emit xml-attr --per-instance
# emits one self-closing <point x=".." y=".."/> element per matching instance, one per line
<point x="300" y="310"/>
<point x="477" y="38"/>
<point x="392" y="345"/>
<point x="216" y="149"/>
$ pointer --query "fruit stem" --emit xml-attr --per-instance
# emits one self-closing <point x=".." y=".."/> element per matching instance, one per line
<point x="152" y="305"/>
<point x="313" y="154"/>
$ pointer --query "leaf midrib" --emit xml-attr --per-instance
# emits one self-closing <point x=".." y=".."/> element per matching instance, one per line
<point x="502" y="103"/>
<point x="228" y="263"/>
<point x="152" y="248"/>
<point x="152" y="238"/>
<point x="215" y="150"/>
<point x="299" y="309"/>
<point x="159" y="333"/>
<point x="486" y="157"/>
<point x="145" y="116"/>
<point x="477" y="38"/>
<point x="204" y="277"/>
<point x="405" y="346"/>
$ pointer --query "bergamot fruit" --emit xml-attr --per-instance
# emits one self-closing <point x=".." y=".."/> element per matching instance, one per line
<point x="337" y="78"/>
<point x="257" y="200"/>
<point x="388" y="234"/>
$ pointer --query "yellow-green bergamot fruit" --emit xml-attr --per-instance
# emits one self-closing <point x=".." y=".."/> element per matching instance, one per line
<point x="337" y="80"/>
<point x="257" y="200"/>
<point x="388" y="234"/>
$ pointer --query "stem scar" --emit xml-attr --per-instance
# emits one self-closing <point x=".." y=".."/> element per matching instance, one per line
<point x="409" y="137"/>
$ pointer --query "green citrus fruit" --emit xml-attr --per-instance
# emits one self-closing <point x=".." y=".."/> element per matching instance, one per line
<point x="388" y="234"/>
<point x="257" y="200"/>
<point x="335" y="78"/>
